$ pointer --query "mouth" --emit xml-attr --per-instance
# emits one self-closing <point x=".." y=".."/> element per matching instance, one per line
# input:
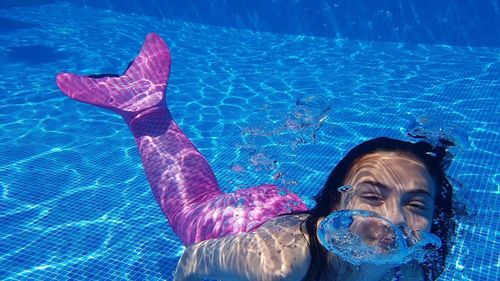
<point x="387" y="244"/>
<point x="384" y="242"/>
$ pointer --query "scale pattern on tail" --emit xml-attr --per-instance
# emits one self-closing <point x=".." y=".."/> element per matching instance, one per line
<point x="233" y="213"/>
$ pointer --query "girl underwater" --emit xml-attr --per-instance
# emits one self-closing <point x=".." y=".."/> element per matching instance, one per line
<point x="384" y="213"/>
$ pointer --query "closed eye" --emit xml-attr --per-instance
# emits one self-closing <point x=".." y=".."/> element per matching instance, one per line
<point x="372" y="198"/>
<point x="418" y="205"/>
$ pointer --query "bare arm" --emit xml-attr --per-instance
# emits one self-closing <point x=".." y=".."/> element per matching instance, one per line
<point x="276" y="251"/>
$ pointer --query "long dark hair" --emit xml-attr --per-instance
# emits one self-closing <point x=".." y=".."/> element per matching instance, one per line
<point x="436" y="160"/>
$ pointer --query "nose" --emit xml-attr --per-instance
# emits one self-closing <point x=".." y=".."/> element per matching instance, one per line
<point x="396" y="217"/>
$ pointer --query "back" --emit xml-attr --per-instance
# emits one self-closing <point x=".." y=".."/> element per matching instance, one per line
<point x="277" y="250"/>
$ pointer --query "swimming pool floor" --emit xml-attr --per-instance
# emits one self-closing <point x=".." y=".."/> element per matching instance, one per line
<point x="75" y="202"/>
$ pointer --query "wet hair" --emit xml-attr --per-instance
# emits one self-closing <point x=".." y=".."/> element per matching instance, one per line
<point x="436" y="160"/>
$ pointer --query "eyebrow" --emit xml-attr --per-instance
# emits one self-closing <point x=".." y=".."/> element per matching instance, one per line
<point x="388" y="189"/>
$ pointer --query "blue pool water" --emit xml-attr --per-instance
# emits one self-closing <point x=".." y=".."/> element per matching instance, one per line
<point x="75" y="203"/>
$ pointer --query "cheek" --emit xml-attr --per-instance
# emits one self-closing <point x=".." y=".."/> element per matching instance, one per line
<point x="426" y="226"/>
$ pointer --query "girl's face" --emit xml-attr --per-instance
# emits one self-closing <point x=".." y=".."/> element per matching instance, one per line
<point x="397" y="186"/>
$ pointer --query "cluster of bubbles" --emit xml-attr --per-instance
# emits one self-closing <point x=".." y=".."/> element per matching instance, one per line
<point x="439" y="131"/>
<point x="359" y="236"/>
<point x="304" y="121"/>
<point x="307" y="118"/>
<point x="298" y="126"/>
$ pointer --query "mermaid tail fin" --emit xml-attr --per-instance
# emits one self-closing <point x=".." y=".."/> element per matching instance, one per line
<point x="141" y="87"/>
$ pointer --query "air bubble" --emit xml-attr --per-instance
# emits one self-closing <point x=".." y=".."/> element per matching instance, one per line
<point x="344" y="188"/>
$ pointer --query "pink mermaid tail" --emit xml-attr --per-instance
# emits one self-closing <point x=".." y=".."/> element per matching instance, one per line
<point x="179" y="176"/>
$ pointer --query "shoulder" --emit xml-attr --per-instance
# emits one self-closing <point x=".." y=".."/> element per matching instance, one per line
<point x="284" y="246"/>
